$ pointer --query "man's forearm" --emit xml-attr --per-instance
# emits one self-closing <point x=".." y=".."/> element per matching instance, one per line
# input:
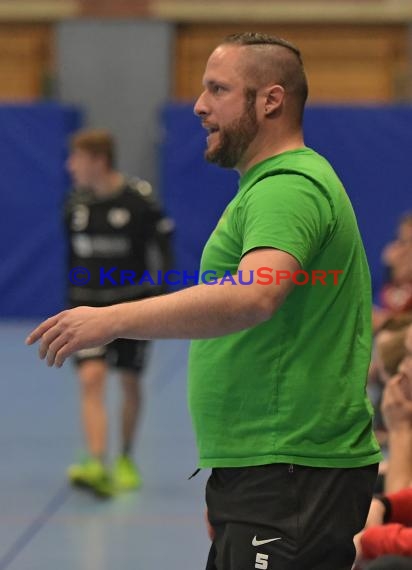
<point x="202" y="311"/>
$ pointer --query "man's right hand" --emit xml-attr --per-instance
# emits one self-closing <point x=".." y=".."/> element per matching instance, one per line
<point x="65" y="333"/>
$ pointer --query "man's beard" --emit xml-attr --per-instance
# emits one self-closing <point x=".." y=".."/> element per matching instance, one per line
<point x="236" y="137"/>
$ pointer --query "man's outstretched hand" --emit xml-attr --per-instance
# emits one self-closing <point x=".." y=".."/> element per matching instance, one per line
<point x="65" y="333"/>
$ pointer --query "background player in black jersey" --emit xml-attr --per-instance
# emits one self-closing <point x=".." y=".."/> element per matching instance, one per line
<point x="115" y="226"/>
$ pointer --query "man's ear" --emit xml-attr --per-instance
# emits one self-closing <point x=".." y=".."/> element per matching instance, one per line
<point x="274" y="98"/>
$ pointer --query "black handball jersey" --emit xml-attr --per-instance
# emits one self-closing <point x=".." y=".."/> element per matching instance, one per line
<point x="111" y="244"/>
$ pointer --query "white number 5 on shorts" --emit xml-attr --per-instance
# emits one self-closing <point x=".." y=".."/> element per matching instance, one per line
<point x="262" y="561"/>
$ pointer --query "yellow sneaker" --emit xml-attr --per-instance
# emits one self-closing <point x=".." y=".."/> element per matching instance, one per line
<point x="92" y="475"/>
<point x="125" y="475"/>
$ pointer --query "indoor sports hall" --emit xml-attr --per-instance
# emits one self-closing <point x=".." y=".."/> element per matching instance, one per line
<point x="135" y="67"/>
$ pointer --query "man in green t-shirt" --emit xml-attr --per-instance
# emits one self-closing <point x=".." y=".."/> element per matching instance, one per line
<point x="278" y="369"/>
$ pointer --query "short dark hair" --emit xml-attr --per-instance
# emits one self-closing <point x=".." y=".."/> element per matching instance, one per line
<point x="285" y="64"/>
<point x="97" y="142"/>
<point x="257" y="39"/>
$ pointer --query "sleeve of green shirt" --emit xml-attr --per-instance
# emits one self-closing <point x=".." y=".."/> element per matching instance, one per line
<point x="286" y="212"/>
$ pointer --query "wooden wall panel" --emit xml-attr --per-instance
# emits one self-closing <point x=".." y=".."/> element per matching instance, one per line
<point x="25" y="60"/>
<point x="218" y="11"/>
<point x="344" y="63"/>
<point x="114" y="8"/>
<point x="284" y="11"/>
<point x="37" y="10"/>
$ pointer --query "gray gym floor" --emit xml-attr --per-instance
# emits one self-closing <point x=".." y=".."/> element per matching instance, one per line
<point x="45" y="524"/>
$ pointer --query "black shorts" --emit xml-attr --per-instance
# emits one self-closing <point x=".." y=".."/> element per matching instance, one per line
<point x="287" y="517"/>
<point x="122" y="353"/>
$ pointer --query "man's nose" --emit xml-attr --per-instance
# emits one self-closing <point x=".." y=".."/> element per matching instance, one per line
<point x="200" y="109"/>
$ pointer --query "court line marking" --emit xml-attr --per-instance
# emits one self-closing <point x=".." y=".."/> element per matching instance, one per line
<point x="58" y="499"/>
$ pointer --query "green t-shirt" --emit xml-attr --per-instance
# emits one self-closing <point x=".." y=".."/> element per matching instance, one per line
<point x="291" y="389"/>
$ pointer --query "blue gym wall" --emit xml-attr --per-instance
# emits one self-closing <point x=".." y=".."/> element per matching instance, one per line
<point x="369" y="148"/>
<point x="33" y="149"/>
